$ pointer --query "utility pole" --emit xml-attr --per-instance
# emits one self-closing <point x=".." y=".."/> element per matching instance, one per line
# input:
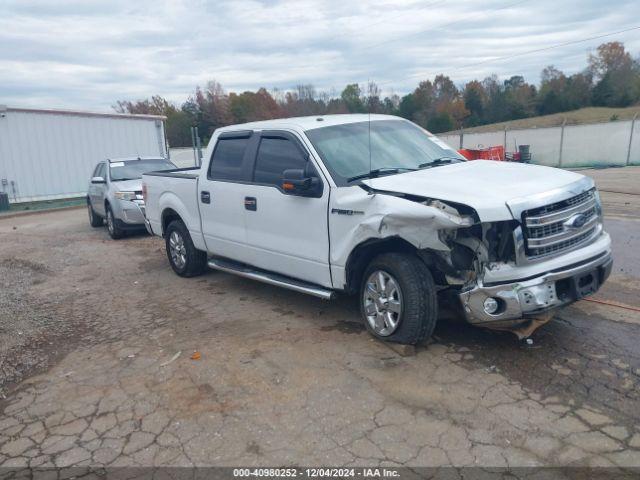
<point x="633" y="124"/>
<point x="564" y="122"/>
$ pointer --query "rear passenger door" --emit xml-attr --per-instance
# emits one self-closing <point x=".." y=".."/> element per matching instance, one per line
<point x="221" y="194"/>
<point x="286" y="233"/>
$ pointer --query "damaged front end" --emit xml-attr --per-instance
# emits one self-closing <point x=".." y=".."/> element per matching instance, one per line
<point x="508" y="271"/>
<point x="518" y="307"/>
<point x="500" y="287"/>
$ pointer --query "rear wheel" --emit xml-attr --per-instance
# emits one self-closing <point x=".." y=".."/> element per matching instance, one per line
<point x="398" y="299"/>
<point x="185" y="259"/>
<point x="112" y="227"/>
<point x="94" y="219"/>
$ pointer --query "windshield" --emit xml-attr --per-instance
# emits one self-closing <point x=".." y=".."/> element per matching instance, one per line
<point x="133" y="169"/>
<point x="396" y="146"/>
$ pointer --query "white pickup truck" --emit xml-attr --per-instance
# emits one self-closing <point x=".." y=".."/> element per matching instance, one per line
<point x="378" y="207"/>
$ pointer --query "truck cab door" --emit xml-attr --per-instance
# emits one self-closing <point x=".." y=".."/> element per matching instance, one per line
<point x="286" y="226"/>
<point x="221" y="192"/>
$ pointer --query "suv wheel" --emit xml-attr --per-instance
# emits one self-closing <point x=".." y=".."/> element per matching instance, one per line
<point x="185" y="259"/>
<point x="94" y="219"/>
<point x="112" y="227"/>
<point x="398" y="299"/>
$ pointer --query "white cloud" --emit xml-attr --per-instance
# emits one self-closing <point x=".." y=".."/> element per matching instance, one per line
<point x="90" y="53"/>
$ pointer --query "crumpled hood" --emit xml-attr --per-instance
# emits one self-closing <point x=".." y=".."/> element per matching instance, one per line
<point x="128" y="185"/>
<point x="484" y="185"/>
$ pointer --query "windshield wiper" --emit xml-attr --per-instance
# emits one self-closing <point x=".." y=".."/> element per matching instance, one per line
<point x="124" y="179"/>
<point x="376" y="172"/>
<point x="439" y="161"/>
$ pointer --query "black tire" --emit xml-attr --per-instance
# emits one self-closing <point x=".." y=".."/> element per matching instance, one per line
<point x="115" y="232"/>
<point x="417" y="297"/>
<point x="95" y="220"/>
<point x="195" y="261"/>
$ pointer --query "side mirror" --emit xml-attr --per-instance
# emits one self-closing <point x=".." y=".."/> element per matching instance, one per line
<point x="301" y="182"/>
<point x="98" y="180"/>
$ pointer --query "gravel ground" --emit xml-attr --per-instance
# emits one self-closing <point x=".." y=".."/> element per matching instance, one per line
<point x="31" y="334"/>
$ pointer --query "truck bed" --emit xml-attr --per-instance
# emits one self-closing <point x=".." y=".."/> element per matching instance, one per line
<point x="176" y="189"/>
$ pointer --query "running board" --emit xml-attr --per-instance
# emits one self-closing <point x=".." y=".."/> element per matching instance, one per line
<point x="246" y="271"/>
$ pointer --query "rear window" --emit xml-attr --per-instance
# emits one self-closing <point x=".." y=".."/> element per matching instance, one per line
<point x="133" y="169"/>
<point x="226" y="163"/>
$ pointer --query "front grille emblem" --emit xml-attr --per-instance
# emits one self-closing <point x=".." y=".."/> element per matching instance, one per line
<point x="576" y="221"/>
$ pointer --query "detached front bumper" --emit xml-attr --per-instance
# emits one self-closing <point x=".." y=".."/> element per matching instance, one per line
<point x="533" y="296"/>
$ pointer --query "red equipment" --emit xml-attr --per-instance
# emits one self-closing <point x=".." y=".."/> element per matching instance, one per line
<point x="490" y="153"/>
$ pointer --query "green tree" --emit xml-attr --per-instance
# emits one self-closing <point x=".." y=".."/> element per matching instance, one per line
<point x="351" y="96"/>
<point x="407" y="107"/>
<point x="519" y="98"/>
<point x="440" y="122"/>
<point x="552" y="89"/>
<point x="475" y="99"/>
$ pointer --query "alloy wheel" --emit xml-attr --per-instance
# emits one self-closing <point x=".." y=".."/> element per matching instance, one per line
<point x="110" y="224"/>
<point x="382" y="300"/>
<point x="177" y="250"/>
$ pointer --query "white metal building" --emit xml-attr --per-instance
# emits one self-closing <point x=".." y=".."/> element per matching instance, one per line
<point x="50" y="154"/>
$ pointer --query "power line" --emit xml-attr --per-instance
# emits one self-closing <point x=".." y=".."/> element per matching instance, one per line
<point x="460" y="20"/>
<point x="528" y="52"/>
<point x="551" y="47"/>
<point x="388" y="19"/>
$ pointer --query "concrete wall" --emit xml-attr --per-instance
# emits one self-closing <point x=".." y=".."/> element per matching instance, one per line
<point x="182" y="157"/>
<point x="48" y="154"/>
<point x="597" y="144"/>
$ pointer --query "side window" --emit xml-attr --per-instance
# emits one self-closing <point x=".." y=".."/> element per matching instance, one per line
<point x="102" y="171"/>
<point x="275" y="155"/>
<point x="226" y="163"/>
<point x="96" y="171"/>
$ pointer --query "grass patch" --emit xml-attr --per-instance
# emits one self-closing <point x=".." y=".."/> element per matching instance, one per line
<point x="44" y="205"/>
<point x="574" y="117"/>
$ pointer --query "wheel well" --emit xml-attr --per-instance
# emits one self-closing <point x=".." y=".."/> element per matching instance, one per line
<point x="168" y="216"/>
<point x="365" y="252"/>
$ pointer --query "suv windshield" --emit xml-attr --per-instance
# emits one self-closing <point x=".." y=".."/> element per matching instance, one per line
<point x="396" y="146"/>
<point x="133" y="169"/>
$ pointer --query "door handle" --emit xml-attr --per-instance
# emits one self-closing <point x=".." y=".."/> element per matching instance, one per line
<point x="250" y="203"/>
<point x="205" y="197"/>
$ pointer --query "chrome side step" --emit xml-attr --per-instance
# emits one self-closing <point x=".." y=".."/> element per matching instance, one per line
<point x="271" y="278"/>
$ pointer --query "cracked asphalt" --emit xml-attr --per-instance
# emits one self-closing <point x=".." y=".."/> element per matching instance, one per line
<point x="97" y="368"/>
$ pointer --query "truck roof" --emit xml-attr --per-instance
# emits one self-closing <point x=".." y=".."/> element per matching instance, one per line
<point x="310" y="122"/>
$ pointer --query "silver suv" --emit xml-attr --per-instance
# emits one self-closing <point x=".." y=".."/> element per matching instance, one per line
<point x="115" y="193"/>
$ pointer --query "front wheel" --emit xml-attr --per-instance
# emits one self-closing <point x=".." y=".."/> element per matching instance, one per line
<point x="398" y="299"/>
<point x="185" y="259"/>
<point x="115" y="232"/>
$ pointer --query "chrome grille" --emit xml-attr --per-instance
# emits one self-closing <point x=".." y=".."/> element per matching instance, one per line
<point x="560" y="226"/>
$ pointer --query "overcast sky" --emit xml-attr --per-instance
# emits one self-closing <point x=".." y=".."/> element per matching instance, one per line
<point x="88" y="54"/>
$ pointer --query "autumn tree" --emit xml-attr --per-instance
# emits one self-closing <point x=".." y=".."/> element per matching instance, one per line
<point x="178" y="121"/>
<point x="253" y="106"/>
<point x="616" y="76"/>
